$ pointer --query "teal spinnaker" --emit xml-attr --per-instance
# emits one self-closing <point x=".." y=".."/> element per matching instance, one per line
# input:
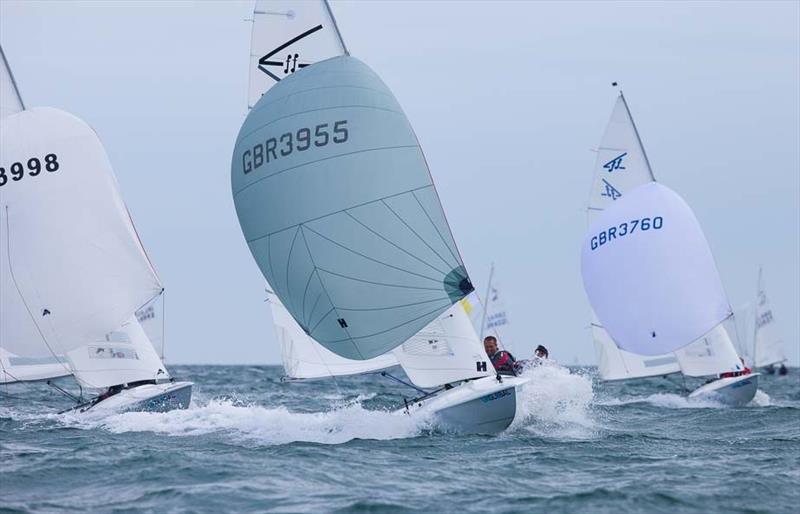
<point x="339" y="210"/>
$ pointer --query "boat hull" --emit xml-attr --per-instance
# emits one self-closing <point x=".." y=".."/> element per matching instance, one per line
<point x="733" y="391"/>
<point x="145" y="398"/>
<point x="481" y="406"/>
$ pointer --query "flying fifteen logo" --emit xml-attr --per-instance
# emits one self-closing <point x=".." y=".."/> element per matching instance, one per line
<point x="289" y="64"/>
<point x="610" y="191"/>
<point x="615" y="163"/>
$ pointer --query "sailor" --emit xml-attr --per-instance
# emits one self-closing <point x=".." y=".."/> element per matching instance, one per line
<point x="744" y="371"/>
<point x="502" y="360"/>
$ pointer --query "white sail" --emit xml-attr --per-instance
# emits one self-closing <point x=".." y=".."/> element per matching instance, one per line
<point x="712" y="354"/>
<point x="288" y="36"/>
<point x="447" y="350"/>
<point x="649" y="273"/>
<point x="616" y="364"/>
<point x="621" y="165"/>
<point x="10" y="99"/>
<point x="768" y="344"/>
<point x="123" y="356"/>
<point x="74" y="268"/>
<point x="14" y="368"/>
<point x="304" y="358"/>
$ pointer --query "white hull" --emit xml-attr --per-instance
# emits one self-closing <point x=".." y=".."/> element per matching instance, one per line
<point x="144" y="398"/>
<point x="481" y="406"/>
<point x="734" y="391"/>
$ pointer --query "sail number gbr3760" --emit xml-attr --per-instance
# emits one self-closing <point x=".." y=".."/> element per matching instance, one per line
<point x="288" y="143"/>
<point x="625" y="229"/>
<point x="32" y="167"/>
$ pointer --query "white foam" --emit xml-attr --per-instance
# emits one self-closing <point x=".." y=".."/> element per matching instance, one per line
<point x="555" y="403"/>
<point x="264" y="425"/>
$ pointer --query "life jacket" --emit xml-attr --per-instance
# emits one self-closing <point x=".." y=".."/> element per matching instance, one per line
<point x="503" y="361"/>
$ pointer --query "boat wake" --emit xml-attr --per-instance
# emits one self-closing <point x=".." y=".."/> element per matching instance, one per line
<point x="555" y="404"/>
<point x="251" y="423"/>
<point x="677" y="401"/>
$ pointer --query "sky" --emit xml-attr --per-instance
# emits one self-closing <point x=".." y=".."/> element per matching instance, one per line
<point x="508" y="101"/>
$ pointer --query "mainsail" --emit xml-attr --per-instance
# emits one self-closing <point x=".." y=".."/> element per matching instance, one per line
<point x="287" y="36"/>
<point x="621" y="165"/>
<point x="10" y="99"/>
<point x="767" y="342"/>
<point x="339" y="209"/>
<point x="73" y="268"/>
<point x="650" y="275"/>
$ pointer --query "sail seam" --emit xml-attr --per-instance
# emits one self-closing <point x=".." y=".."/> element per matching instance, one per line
<point x="349" y="277"/>
<point x="441" y="237"/>
<point x="415" y="233"/>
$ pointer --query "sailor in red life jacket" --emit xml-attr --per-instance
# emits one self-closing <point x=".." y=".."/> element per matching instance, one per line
<point x="745" y="371"/>
<point x="502" y="360"/>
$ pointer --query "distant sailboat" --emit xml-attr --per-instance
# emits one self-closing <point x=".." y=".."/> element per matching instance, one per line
<point x="73" y="272"/>
<point x="768" y="349"/>
<point x="703" y="347"/>
<point x="339" y="210"/>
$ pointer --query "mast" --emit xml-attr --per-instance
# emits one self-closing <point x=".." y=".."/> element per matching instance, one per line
<point x="336" y="26"/>
<point x="11" y="77"/>
<point x="486" y="300"/>
<point x="638" y="138"/>
<point x="755" y="317"/>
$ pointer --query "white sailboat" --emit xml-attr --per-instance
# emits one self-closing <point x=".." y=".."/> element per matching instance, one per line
<point x="768" y="349"/>
<point x="339" y="210"/>
<point x="73" y="272"/>
<point x="621" y="170"/>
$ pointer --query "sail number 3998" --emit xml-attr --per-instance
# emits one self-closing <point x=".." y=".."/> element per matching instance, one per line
<point x="298" y="141"/>
<point x="16" y="171"/>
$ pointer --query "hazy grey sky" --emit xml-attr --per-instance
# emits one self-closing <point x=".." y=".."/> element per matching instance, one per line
<point x="508" y="99"/>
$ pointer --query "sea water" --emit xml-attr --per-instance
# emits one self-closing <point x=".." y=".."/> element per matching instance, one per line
<point x="250" y="442"/>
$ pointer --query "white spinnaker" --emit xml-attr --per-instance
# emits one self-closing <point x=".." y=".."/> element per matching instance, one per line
<point x="447" y="350"/>
<point x="304" y="358"/>
<point x="123" y="356"/>
<point x="287" y="36"/>
<point x="10" y="99"/>
<point x="712" y="354"/>
<point x="14" y="368"/>
<point x="768" y="344"/>
<point x="649" y="273"/>
<point x="74" y="255"/>
<point x="621" y="165"/>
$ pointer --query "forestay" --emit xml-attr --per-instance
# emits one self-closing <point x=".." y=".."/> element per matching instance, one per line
<point x="75" y="265"/>
<point x="338" y="207"/>
<point x="712" y="354"/>
<point x="305" y="359"/>
<point x="447" y="350"/>
<point x="621" y="165"/>
<point x="288" y="36"/>
<point x="768" y="345"/>
<point x="10" y="99"/>
<point x="649" y="273"/>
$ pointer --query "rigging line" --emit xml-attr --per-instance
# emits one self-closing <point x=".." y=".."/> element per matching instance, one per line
<point x="163" y="325"/>
<point x="25" y="303"/>
<point x="415" y="232"/>
<point x="388" y="375"/>
<point x="396" y="246"/>
<point x="436" y="228"/>
<point x="308" y="163"/>
<point x="322" y="285"/>
<point x="326" y="215"/>
<point x="356" y="279"/>
<point x="438" y="281"/>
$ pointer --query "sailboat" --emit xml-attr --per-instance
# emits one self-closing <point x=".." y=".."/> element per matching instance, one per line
<point x="622" y="170"/>
<point x="768" y="349"/>
<point x="339" y="210"/>
<point x="73" y="272"/>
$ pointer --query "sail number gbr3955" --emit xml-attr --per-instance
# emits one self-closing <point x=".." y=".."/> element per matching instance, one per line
<point x="33" y="167"/>
<point x="298" y="141"/>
